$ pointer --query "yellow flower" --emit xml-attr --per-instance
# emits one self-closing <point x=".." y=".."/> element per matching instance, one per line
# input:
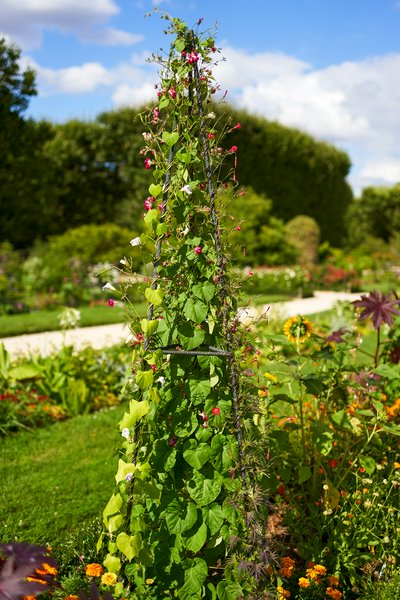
<point x="109" y="579"/>
<point x="315" y="572"/>
<point x="396" y="465"/>
<point x="297" y="329"/>
<point x="282" y="593"/>
<point x="94" y="570"/>
<point x="149" y="581"/>
<point x="262" y="393"/>
<point x="271" y="377"/>
<point x="304" y="582"/>
<point x="320" y="569"/>
<point x="71" y="597"/>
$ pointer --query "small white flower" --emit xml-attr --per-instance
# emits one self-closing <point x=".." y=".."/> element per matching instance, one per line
<point x="135" y="242"/>
<point x="109" y="286"/>
<point x="186" y="230"/>
<point x="122" y="261"/>
<point x="161" y="380"/>
<point x="146" y="136"/>
<point x="129" y="477"/>
<point x="126" y="433"/>
<point x="186" y="189"/>
<point x="211" y="115"/>
<point x="130" y="338"/>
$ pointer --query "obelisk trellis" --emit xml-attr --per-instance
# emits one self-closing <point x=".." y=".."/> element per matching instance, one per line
<point x="177" y="523"/>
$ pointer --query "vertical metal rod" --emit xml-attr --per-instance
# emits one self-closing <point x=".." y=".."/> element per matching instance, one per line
<point x="221" y="266"/>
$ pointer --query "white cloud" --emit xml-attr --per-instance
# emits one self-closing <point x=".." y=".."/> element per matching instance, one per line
<point x="25" y="21"/>
<point x="352" y="104"/>
<point x="126" y="95"/>
<point x="130" y="83"/>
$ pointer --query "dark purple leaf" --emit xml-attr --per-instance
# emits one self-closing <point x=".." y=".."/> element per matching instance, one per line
<point x="380" y="307"/>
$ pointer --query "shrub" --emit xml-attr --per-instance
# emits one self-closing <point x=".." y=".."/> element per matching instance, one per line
<point x="303" y="233"/>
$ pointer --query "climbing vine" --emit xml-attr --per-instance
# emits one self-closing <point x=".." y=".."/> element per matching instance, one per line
<point x="185" y="519"/>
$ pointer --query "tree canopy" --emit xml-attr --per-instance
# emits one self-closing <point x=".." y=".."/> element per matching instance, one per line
<point x="57" y="176"/>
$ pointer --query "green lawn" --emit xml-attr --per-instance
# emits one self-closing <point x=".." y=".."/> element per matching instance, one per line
<point x="55" y="479"/>
<point x="47" y="320"/>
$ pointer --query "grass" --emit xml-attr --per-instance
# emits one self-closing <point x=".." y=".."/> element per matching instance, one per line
<point x="55" y="479"/>
<point x="47" y="320"/>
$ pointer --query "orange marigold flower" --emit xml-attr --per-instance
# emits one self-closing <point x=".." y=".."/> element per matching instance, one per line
<point x="287" y="562"/>
<point x="282" y="593"/>
<point x="71" y="597"/>
<point x="304" y="582"/>
<point x="334" y="594"/>
<point x="94" y="570"/>
<point x="286" y="571"/>
<point x="396" y="465"/>
<point x="28" y="597"/>
<point x="37" y="580"/>
<point x="333" y="580"/>
<point x="46" y="570"/>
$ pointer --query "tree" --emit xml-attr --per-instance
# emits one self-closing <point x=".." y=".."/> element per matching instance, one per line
<point x="375" y="214"/>
<point x="298" y="173"/>
<point x="19" y="144"/>
<point x="260" y="238"/>
<point x="16" y="86"/>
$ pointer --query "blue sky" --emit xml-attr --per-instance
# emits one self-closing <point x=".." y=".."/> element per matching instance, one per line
<point x="328" y="67"/>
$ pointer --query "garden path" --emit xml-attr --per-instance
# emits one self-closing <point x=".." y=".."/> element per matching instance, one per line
<point x="106" y="335"/>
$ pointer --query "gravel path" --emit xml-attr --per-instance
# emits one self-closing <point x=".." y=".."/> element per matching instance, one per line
<point x="106" y="335"/>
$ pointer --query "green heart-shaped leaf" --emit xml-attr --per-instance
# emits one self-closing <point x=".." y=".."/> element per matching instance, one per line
<point x="170" y="138"/>
<point x="203" y="490"/>
<point x="129" y="544"/>
<point x="195" y="310"/>
<point x="155" y="190"/>
<point x="196" y="455"/>
<point x="154" y="296"/>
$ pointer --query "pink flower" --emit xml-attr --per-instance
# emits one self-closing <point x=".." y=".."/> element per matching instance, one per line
<point x="233" y="149"/>
<point x="148" y="203"/>
<point x="192" y="57"/>
<point x="204" y="416"/>
<point x="211" y="136"/>
<point x="238" y="228"/>
<point x="156" y="115"/>
<point x="237" y="126"/>
<point x="216" y="410"/>
<point x="198" y="250"/>
<point x="153" y="367"/>
<point x="171" y="442"/>
<point x="147" y="163"/>
<point x="172" y="92"/>
<point x="111" y="302"/>
<point x="160" y="206"/>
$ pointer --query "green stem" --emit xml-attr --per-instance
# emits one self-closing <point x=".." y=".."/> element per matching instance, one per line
<point x="378" y="343"/>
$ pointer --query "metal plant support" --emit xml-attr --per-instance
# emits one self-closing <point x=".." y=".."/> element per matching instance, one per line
<point x="194" y="93"/>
